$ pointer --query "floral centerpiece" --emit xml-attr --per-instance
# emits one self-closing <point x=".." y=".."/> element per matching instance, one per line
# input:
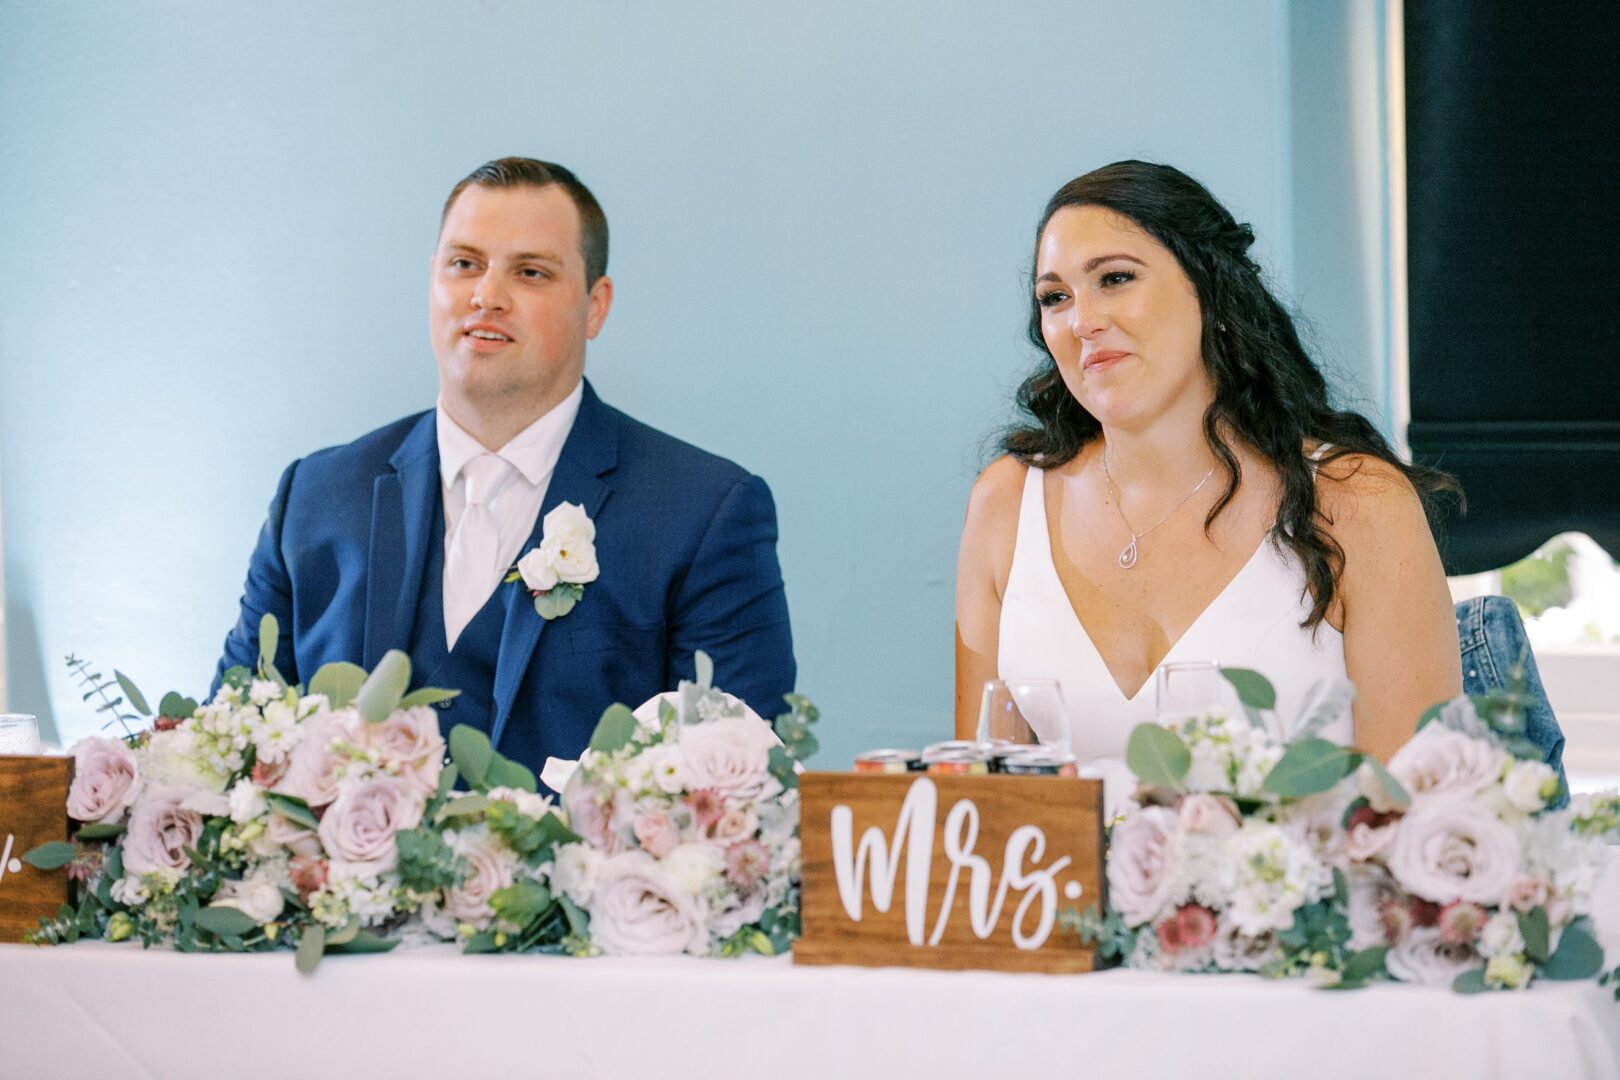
<point x="1245" y="851"/>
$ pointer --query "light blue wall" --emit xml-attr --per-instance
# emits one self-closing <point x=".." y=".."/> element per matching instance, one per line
<point x="217" y="219"/>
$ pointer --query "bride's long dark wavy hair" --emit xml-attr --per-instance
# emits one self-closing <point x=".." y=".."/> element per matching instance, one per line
<point x="1267" y="391"/>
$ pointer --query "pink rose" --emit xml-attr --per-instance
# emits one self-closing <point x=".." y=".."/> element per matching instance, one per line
<point x="106" y="780"/>
<point x="638" y="910"/>
<point x="657" y="834"/>
<point x="1191" y="927"/>
<point x="490" y="868"/>
<point x="739" y="823"/>
<point x="731" y="755"/>
<point x="591" y="818"/>
<point x="294" y="837"/>
<point x="1526" y="893"/>
<point x="312" y="768"/>
<point x="1144" y="860"/>
<point x="1366" y="841"/>
<point x="1209" y="814"/>
<point x="360" y="824"/>
<point x="410" y="745"/>
<point x="159" y="832"/>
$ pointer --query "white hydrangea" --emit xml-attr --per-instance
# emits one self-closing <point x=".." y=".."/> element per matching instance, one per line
<point x="1269" y="875"/>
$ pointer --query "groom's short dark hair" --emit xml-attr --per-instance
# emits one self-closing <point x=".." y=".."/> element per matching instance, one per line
<point x="515" y="172"/>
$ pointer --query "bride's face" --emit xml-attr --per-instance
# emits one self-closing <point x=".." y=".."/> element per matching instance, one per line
<point x="1120" y="317"/>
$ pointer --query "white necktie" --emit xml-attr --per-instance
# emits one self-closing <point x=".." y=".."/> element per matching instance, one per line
<point x="472" y="569"/>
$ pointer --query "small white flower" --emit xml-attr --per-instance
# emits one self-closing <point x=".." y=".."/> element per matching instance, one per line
<point x="527" y="802"/>
<point x="692" y="866"/>
<point x="1529" y="784"/>
<point x="667" y="767"/>
<point x="1500" y="936"/>
<point x="578" y="866"/>
<point x="567" y="551"/>
<point x="247" y="802"/>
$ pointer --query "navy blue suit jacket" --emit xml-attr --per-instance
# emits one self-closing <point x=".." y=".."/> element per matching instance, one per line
<point x="686" y="542"/>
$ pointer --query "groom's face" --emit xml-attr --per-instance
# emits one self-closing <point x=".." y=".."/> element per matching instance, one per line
<point x="508" y="308"/>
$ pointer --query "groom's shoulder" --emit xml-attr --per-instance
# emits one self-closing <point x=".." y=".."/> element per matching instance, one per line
<point x="364" y="458"/>
<point x="653" y="457"/>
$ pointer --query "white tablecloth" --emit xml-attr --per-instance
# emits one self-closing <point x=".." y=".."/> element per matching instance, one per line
<point x="98" y="1010"/>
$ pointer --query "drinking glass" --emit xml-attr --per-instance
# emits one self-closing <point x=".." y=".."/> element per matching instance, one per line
<point x="19" y="734"/>
<point x="1024" y="711"/>
<point x="1188" y="689"/>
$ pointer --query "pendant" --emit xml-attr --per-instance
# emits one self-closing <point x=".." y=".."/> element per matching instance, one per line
<point x="1127" y="557"/>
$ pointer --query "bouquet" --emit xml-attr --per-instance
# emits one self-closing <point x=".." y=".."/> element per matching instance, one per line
<point x="1246" y="852"/>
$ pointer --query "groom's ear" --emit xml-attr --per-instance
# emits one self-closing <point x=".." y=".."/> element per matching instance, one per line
<point x="600" y="300"/>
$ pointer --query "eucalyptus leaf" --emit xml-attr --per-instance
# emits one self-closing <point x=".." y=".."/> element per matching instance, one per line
<point x="1365" y="964"/>
<point x="1431" y="714"/>
<point x="363" y="942"/>
<point x="1325" y="702"/>
<point x="1394" y="793"/>
<point x="383" y="689"/>
<point x="1470" y="982"/>
<point x="176" y="705"/>
<point x="269" y="638"/>
<point x="471" y="752"/>
<point x="98" y="830"/>
<point x="428" y="695"/>
<point x="555" y="832"/>
<point x="343" y="934"/>
<point x="340" y="681"/>
<point x="1157" y="756"/>
<point x="137" y="700"/>
<point x="463" y="806"/>
<point x="292" y="808"/>
<point x="311" y="947"/>
<point x="614" y="730"/>
<point x="1578" y="956"/>
<point x="225" y="921"/>
<point x="1536" y="933"/>
<point x="447" y="781"/>
<point x="51" y="856"/>
<point x="705" y="669"/>
<point x="504" y="772"/>
<point x="1308" y="767"/>
<point x="555" y="603"/>
<point x="1253" y="688"/>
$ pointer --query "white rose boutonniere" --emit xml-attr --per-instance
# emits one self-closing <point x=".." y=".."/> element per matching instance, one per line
<point x="557" y="571"/>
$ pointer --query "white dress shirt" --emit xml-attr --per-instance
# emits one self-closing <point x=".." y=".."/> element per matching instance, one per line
<point x="533" y="454"/>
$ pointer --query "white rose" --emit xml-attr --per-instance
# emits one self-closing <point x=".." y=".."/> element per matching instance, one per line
<point x="257" y="897"/>
<point x="1500" y="936"/>
<point x="576" y="871"/>
<point x="1439" y="760"/>
<point x="569" y="544"/>
<point x="247" y="802"/>
<point x="536" y="570"/>
<point x="1233" y="950"/>
<point x="1423" y="957"/>
<point x="666" y="767"/>
<point x="1144" y="858"/>
<point x="639" y="911"/>
<point x="692" y="866"/>
<point x="731" y="755"/>
<point x="160" y="830"/>
<point x="527" y="802"/>
<point x="1208" y="814"/>
<point x="106" y="780"/>
<point x="1529" y="784"/>
<point x="1452" y="848"/>
<point x="360" y="825"/>
<point x="737" y="913"/>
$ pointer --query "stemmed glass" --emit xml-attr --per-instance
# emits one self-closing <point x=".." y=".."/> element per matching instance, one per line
<point x="1188" y="689"/>
<point x="19" y="734"/>
<point x="1024" y="711"/>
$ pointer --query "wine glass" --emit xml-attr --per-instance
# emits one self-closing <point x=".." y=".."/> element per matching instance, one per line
<point x="1188" y="689"/>
<point x="19" y="734"/>
<point x="1025" y="711"/>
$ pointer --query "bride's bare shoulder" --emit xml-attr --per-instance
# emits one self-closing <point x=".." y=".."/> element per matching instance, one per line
<point x="998" y="489"/>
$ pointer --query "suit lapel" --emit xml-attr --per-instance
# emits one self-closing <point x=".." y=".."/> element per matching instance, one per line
<point x="591" y="450"/>
<point x="401" y="519"/>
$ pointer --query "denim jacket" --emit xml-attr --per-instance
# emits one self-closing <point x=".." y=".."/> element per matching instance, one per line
<point x="1492" y="638"/>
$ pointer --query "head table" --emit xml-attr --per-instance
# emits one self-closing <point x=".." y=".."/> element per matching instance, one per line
<point x="100" y="1010"/>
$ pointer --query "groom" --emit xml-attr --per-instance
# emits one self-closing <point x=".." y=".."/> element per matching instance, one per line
<point x="403" y="538"/>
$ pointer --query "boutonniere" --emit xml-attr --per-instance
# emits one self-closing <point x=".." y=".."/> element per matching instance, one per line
<point x="557" y="571"/>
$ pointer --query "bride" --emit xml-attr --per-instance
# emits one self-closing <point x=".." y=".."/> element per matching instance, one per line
<point x="1180" y="489"/>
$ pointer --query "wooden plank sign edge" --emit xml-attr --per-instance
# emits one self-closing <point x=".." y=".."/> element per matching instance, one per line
<point x="33" y="811"/>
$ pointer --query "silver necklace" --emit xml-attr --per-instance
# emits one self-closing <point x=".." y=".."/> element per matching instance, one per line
<point x="1127" y="555"/>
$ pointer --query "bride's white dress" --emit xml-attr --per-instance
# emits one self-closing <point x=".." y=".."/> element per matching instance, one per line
<point x="1253" y="623"/>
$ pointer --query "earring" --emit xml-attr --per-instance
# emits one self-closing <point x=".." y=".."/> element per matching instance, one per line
<point x="1220" y="325"/>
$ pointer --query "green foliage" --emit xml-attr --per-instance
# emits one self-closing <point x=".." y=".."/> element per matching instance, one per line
<point x="137" y="700"/>
<point x="1320" y="934"/>
<point x="51" y="856"/>
<point x="558" y="600"/>
<point x="705" y="669"/>
<point x="363" y="941"/>
<point x="1394" y="793"/>
<point x="532" y="838"/>
<point x="504" y="772"/>
<point x="1157" y="756"/>
<point x="471" y="752"/>
<point x="1363" y="966"/>
<point x="521" y="903"/>
<point x="1470" y="982"/>
<point x="269" y="638"/>
<point x="614" y="730"/>
<point x="1253" y="688"/>
<point x="340" y="681"/>
<point x="1310" y="766"/>
<point x="1540" y="581"/>
<point x="384" y="688"/>
<point x="781" y="767"/>
<point x="96" y="685"/>
<point x="1107" y="934"/>
<point x="177" y="706"/>
<point x="311" y="947"/>
<point x="225" y="921"/>
<point x="1578" y="955"/>
<point x="97" y="830"/>
<point x="1536" y="933"/>
<point x="793" y="727"/>
<point x="428" y="695"/>
<point x="292" y="808"/>
<point x="426" y="861"/>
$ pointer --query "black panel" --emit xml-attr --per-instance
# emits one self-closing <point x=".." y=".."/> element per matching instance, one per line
<point x="1513" y="219"/>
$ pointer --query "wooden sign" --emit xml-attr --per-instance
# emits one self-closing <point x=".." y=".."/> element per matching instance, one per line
<point x="948" y="871"/>
<point x="33" y="811"/>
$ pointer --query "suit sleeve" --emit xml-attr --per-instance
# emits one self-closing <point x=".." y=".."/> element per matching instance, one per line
<point x="731" y="603"/>
<point x="268" y="590"/>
